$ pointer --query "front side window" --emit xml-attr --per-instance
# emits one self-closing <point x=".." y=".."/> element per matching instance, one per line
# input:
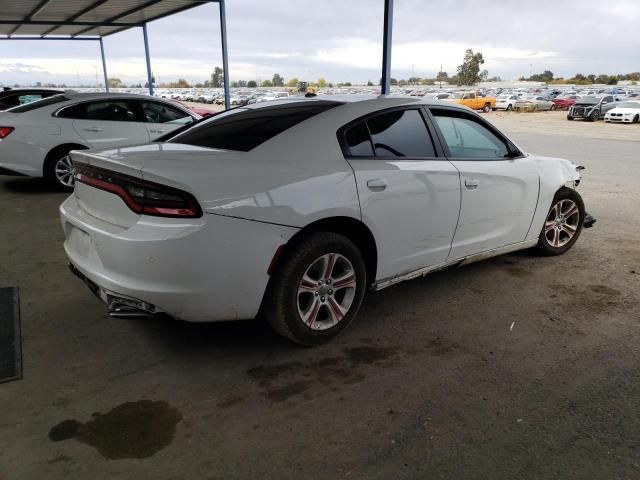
<point x="156" y="112"/>
<point x="469" y="139"/>
<point x="111" y="110"/>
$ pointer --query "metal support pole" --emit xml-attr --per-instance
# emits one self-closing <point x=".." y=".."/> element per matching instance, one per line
<point x="225" y="60"/>
<point x="146" y="53"/>
<point x="386" y="47"/>
<point x="104" y="67"/>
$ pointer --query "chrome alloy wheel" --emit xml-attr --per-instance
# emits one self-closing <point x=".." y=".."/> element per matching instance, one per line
<point x="562" y="223"/>
<point x="326" y="291"/>
<point x="64" y="171"/>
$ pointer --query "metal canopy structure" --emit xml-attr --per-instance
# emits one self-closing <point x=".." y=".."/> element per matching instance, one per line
<point x="95" y="19"/>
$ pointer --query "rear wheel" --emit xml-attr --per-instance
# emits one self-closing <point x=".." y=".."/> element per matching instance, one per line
<point x="317" y="290"/>
<point x="509" y="107"/>
<point x="563" y="224"/>
<point x="569" y="117"/>
<point x="58" y="169"/>
<point x="486" y="108"/>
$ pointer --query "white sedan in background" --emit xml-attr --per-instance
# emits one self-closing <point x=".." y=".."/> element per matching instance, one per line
<point x="296" y="208"/>
<point x="36" y="138"/>
<point x="506" y="102"/>
<point x="625" y="112"/>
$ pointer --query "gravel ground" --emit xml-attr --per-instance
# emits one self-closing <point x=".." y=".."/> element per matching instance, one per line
<point x="518" y="367"/>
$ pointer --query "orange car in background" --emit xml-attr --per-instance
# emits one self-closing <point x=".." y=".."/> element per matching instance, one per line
<point x="474" y="101"/>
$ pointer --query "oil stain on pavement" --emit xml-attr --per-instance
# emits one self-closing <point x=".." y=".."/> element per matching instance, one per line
<point x="131" y="430"/>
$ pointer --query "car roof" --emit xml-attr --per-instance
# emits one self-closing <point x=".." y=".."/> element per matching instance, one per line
<point x="379" y="101"/>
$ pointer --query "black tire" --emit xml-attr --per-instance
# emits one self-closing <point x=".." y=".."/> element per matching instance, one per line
<point x="509" y="108"/>
<point x="569" y="117"/>
<point x="55" y="158"/>
<point x="486" y="108"/>
<point x="563" y="197"/>
<point x="636" y="119"/>
<point x="595" y="116"/>
<point x="281" y="305"/>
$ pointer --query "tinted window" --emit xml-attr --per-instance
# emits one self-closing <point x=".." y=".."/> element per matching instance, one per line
<point x="39" y="103"/>
<point x="358" y="141"/>
<point x="244" y="130"/>
<point x="78" y="111"/>
<point x="467" y="138"/>
<point x="111" y="110"/>
<point x="156" y="112"/>
<point x="401" y="133"/>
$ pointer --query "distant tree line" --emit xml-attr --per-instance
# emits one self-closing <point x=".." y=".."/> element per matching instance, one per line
<point x="581" y="79"/>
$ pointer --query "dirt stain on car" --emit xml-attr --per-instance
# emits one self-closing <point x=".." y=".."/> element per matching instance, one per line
<point x="131" y="430"/>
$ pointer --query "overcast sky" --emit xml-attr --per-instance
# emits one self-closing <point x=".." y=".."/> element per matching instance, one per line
<point x="341" y="40"/>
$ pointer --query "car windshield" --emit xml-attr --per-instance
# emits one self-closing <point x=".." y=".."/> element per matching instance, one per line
<point x="38" y="103"/>
<point x="589" y="100"/>
<point x="246" y="129"/>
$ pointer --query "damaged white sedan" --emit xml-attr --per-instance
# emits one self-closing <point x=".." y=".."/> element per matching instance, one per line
<point x="295" y="208"/>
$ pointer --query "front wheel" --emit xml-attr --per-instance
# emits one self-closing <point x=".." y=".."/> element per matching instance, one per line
<point x="486" y="108"/>
<point x="595" y="115"/>
<point x="509" y="108"/>
<point x="317" y="289"/>
<point x="636" y="119"/>
<point x="563" y="224"/>
<point x="569" y="117"/>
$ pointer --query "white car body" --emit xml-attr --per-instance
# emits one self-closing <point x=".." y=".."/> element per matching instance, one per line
<point x="506" y="102"/>
<point x="628" y="112"/>
<point x="423" y="214"/>
<point x="40" y="130"/>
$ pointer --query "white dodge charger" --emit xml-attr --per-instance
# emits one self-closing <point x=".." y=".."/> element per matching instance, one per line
<point x="296" y="208"/>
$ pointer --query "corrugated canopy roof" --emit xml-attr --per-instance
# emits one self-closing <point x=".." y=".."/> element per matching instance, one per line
<point x="55" y="18"/>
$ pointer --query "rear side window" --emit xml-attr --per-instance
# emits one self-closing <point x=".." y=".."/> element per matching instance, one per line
<point x="399" y="133"/>
<point x="77" y="112"/>
<point x="39" y="103"/>
<point x="245" y="129"/>
<point x="358" y="141"/>
<point x="112" y="110"/>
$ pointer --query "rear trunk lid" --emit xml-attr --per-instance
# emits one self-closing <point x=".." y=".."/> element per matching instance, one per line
<point x="173" y="165"/>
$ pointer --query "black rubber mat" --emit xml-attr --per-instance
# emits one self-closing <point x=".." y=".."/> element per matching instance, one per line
<point x="10" y="341"/>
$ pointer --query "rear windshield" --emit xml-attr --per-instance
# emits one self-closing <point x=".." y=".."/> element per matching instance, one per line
<point x="245" y="129"/>
<point x="27" y="107"/>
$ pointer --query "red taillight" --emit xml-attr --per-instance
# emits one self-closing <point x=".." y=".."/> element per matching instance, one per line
<point x="5" y="131"/>
<point x="139" y="195"/>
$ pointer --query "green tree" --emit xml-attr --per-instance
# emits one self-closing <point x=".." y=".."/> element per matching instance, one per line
<point x="277" y="81"/>
<point x="182" y="83"/>
<point x="469" y="72"/>
<point x="252" y="84"/>
<point x="293" y="82"/>
<point x="369" y="83"/>
<point x="322" y="82"/>
<point x="115" y="82"/>
<point x="267" y="83"/>
<point x="217" y="78"/>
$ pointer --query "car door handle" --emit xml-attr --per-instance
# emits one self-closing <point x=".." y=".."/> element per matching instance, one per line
<point x="471" y="183"/>
<point x="377" y="184"/>
<point x="93" y="129"/>
<point x="154" y="130"/>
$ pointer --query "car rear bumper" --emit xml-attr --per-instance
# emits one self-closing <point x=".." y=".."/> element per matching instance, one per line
<point x="207" y="269"/>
